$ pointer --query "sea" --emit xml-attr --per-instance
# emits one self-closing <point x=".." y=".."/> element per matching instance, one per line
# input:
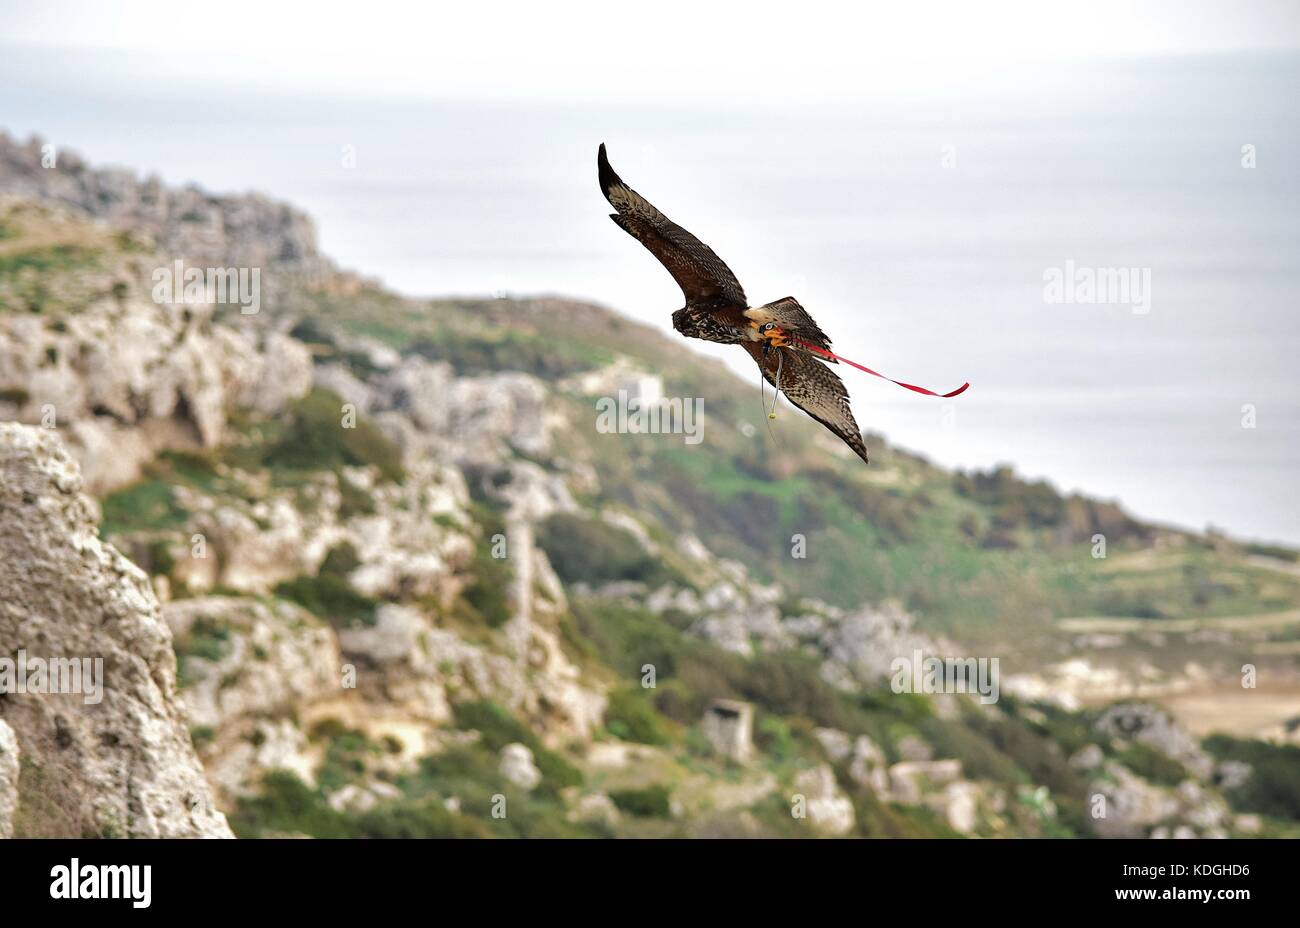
<point x="1108" y="251"/>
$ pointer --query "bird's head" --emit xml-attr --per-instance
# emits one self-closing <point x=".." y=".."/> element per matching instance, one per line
<point x="686" y="320"/>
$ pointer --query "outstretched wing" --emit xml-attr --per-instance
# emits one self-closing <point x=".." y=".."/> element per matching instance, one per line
<point x="793" y="320"/>
<point x="814" y="388"/>
<point x="700" y="273"/>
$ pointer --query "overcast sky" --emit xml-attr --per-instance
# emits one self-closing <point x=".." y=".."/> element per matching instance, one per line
<point x="663" y="52"/>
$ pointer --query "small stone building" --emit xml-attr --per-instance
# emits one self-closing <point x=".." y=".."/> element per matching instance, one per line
<point x="729" y="727"/>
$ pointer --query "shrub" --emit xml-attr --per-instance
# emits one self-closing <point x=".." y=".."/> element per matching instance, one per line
<point x="287" y="804"/>
<point x="548" y="358"/>
<point x="498" y="727"/>
<point x="315" y="438"/>
<point x="487" y="593"/>
<point x="329" y="596"/>
<point x="1274" y="785"/>
<point x="1016" y="502"/>
<point x="426" y="819"/>
<point x="651" y="802"/>
<point x="584" y="550"/>
<point x="341" y="560"/>
<point x="631" y="716"/>
<point x="345" y="759"/>
<point x="626" y="637"/>
<point x="1152" y="765"/>
<point x="159" y="559"/>
<point x="774" y="738"/>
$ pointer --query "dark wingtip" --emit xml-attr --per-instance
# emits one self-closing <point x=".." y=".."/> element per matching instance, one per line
<point x="608" y="179"/>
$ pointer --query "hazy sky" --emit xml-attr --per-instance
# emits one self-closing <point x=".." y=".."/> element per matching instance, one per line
<point x="662" y="52"/>
<point x="1106" y="133"/>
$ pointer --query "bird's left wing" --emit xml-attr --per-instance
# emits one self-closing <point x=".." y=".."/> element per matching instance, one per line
<point x="700" y="273"/>
<point x="814" y="388"/>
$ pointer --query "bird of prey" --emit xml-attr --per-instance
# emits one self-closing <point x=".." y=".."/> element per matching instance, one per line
<point x="776" y="335"/>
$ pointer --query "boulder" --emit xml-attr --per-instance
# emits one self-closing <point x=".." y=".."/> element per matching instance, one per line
<point x="517" y="766"/>
<point x="116" y="762"/>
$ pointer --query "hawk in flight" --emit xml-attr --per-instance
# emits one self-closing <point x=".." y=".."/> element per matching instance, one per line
<point x="776" y="335"/>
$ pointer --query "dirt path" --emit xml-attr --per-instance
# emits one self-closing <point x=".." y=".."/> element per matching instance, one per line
<point x="1257" y="713"/>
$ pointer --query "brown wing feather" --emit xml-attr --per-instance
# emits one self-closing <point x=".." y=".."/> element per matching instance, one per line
<point x="814" y="388"/>
<point x="700" y="273"/>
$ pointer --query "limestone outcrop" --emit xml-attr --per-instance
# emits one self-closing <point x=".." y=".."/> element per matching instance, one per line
<point x="103" y="741"/>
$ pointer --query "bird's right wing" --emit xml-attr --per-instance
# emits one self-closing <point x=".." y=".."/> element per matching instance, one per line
<point x="700" y="273"/>
<point x="814" y="388"/>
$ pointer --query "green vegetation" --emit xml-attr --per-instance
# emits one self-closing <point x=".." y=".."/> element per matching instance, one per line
<point x="328" y="594"/>
<point x="149" y="504"/>
<point x="511" y="351"/>
<point x="485" y="599"/>
<point x="316" y="438"/>
<point x="346" y="754"/>
<point x="631" y="716"/>
<point x="205" y="640"/>
<point x="650" y="802"/>
<point x="498" y="728"/>
<point x="55" y="258"/>
<point x="1152" y="765"/>
<point x="1273" y="788"/>
<point x="587" y="550"/>
<point x="988" y="556"/>
<point x="287" y="805"/>
<point x="330" y="597"/>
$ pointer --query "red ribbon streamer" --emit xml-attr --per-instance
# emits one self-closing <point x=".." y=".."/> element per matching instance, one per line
<point x="915" y="389"/>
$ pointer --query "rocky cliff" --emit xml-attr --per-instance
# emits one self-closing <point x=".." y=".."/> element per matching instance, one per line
<point x="404" y="578"/>
<point x="100" y="746"/>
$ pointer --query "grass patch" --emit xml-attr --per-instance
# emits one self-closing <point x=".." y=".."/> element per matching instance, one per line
<point x="47" y="260"/>
<point x="144" y="506"/>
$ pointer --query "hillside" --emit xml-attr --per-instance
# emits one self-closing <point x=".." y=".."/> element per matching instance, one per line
<point x="411" y="584"/>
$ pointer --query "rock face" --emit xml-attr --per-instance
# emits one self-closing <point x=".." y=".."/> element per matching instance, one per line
<point x="1134" y="808"/>
<point x="273" y="657"/>
<point x="1156" y="728"/>
<point x="240" y="231"/>
<point x="8" y="780"/>
<point x="128" y="378"/>
<point x="121" y="764"/>
<point x="828" y="808"/>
